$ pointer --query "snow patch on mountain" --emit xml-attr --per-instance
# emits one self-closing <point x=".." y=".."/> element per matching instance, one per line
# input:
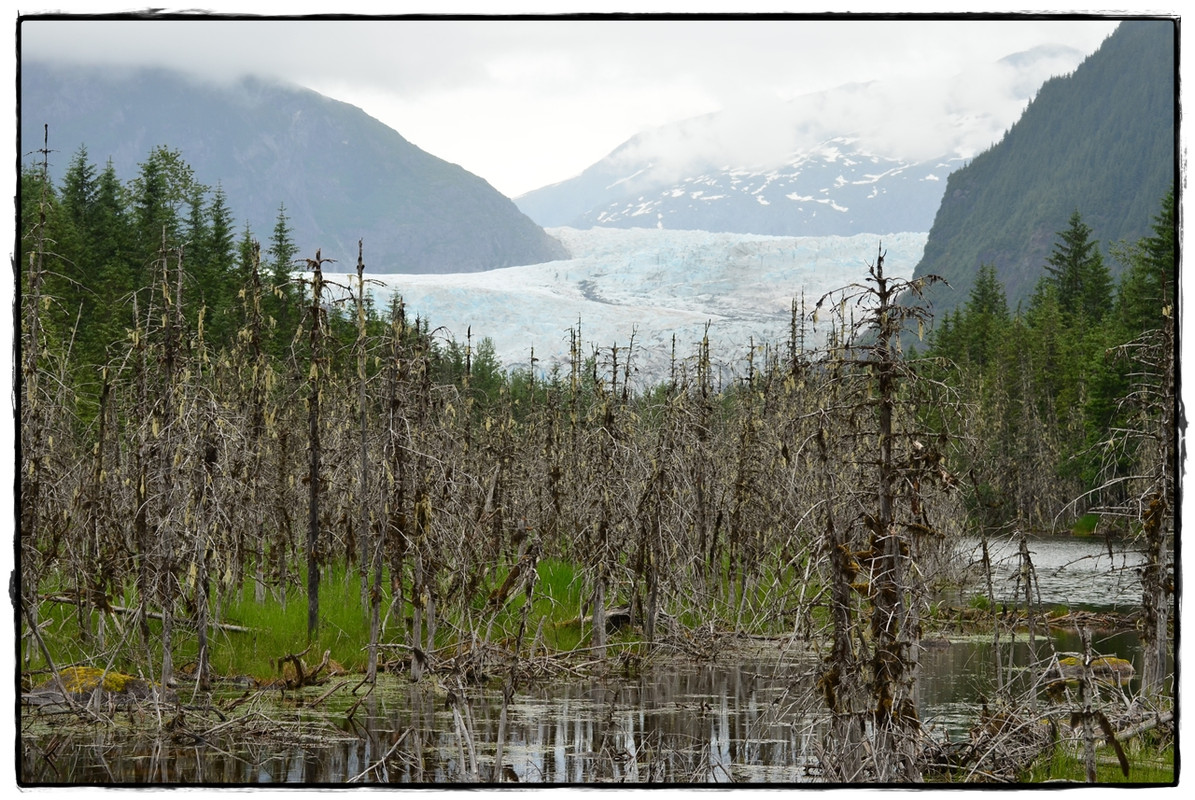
<point x="650" y="285"/>
<point x="754" y="160"/>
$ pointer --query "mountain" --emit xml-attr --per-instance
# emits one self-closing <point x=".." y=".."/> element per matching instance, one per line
<point x="341" y="174"/>
<point x="653" y="285"/>
<point x="1100" y="141"/>
<point x="861" y="158"/>
<point x="831" y="189"/>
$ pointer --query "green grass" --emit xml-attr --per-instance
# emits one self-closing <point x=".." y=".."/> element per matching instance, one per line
<point x="556" y="600"/>
<point x="280" y="630"/>
<point x="980" y="602"/>
<point x="1085" y="525"/>
<point x="277" y="629"/>
<point x="1146" y="765"/>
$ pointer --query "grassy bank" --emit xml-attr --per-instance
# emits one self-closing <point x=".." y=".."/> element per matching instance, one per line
<point x="248" y="637"/>
<point x="1148" y="763"/>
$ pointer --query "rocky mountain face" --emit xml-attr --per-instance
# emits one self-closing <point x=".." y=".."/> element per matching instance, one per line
<point x="862" y="158"/>
<point x="833" y="189"/>
<point x="341" y="175"/>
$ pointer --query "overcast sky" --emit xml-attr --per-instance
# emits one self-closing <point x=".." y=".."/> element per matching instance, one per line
<point x="528" y="103"/>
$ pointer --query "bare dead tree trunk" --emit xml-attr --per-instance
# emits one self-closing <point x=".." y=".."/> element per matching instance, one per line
<point x="205" y="528"/>
<point x="314" y="395"/>
<point x="423" y="590"/>
<point x="599" y="615"/>
<point x="97" y="504"/>
<point x="142" y="458"/>
<point x="1157" y="517"/>
<point x="257" y="422"/>
<point x="839" y="682"/>
<point x="395" y="534"/>
<point x="895" y="639"/>
<point x="32" y="439"/>
<point x="165" y="577"/>
<point x="893" y="577"/>
<point x="283" y="536"/>
<point x="363" y="544"/>
<point x="370" y="546"/>
<point x="1086" y="690"/>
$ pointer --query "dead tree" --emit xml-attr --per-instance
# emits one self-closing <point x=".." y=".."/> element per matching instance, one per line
<point x="33" y="441"/>
<point x="317" y="334"/>
<point x="1151" y="435"/>
<point x="897" y="470"/>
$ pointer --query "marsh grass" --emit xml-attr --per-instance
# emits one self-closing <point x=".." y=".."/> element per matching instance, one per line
<point x="555" y="606"/>
<point x="1085" y="525"/>
<point x="1147" y="765"/>
<point x="279" y="629"/>
<point x="276" y="628"/>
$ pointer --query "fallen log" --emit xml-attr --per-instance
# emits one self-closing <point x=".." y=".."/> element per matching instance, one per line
<point x="1145" y="727"/>
<point x="328" y="694"/>
<point x="302" y="675"/>
<point x="78" y="601"/>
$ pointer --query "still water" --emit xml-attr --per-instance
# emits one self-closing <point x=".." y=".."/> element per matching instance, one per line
<point x="1069" y="571"/>
<point x="750" y="714"/>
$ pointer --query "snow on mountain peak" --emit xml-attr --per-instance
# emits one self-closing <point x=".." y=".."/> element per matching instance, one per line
<point x="823" y="144"/>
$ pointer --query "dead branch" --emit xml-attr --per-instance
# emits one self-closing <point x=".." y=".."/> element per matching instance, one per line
<point x="77" y="601"/>
<point x="328" y="693"/>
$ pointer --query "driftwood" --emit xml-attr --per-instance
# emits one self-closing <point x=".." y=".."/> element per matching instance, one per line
<point x="79" y="601"/>
<point x="1145" y="727"/>
<point x="300" y="678"/>
<point x="305" y="676"/>
<point x="328" y="693"/>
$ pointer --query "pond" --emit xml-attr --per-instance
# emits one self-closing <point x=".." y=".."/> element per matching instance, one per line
<point x="730" y="709"/>
<point x="1071" y="571"/>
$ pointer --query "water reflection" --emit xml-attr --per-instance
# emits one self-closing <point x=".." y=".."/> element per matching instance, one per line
<point x="753" y="717"/>
<point x="957" y="679"/>
<point x="684" y="723"/>
<point x="701" y="723"/>
<point x="753" y="720"/>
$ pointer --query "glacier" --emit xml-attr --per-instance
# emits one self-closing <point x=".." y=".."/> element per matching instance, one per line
<point x="657" y="286"/>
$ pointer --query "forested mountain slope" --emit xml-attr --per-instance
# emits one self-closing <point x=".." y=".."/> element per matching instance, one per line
<point x="341" y="174"/>
<point x="1100" y="141"/>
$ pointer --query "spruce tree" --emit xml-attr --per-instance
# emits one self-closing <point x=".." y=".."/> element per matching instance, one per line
<point x="1147" y="288"/>
<point x="195" y="242"/>
<point x="164" y="184"/>
<point x="1078" y="271"/>
<point x="222" y="241"/>
<point x="79" y="190"/>
<point x="283" y="301"/>
<point x="986" y="317"/>
<point x="221" y="250"/>
<point x="110" y="219"/>
<point x="282" y="249"/>
<point x="114" y="270"/>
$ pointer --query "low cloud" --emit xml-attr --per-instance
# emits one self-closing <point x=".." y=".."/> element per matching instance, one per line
<point x="950" y="115"/>
<point x="523" y="103"/>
